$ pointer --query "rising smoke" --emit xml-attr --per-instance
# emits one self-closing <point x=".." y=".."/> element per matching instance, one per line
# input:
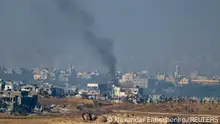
<point x="41" y="30"/>
<point x="103" y="46"/>
<point x="104" y="49"/>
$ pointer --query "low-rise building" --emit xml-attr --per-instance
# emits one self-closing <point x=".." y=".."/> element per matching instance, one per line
<point x="206" y="81"/>
<point x="172" y="79"/>
<point x="18" y="71"/>
<point x="128" y="77"/>
<point x="184" y="81"/>
<point x="37" y="76"/>
<point x="140" y="82"/>
<point x="122" y="89"/>
<point x="160" y="77"/>
<point x="83" y="75"/>
<point x="93" y="89"/>
<point x="8" y="86"/>
<point x="8" y="71"/>
<point x="63" y="77"/>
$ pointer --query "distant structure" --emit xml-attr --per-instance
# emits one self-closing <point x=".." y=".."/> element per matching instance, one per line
<point x="177" y="72"/>
<point x="150" y="73"/>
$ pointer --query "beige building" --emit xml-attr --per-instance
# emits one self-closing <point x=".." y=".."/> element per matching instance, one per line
<point x="184" y="81"/>
<point x="39" y="76"/>
<point x="83" y="75"/>
<point x="128" y="77"/>
<point x="160" y="77"/>
<point x="205" y="81"/>
<point x="134" y="80"/>
<point x="36" y="76"/>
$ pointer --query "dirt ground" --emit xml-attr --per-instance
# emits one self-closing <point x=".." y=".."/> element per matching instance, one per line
<point x="73" y="101"/>
<point x="184" y="108"/>
<point x="42" y="121"/>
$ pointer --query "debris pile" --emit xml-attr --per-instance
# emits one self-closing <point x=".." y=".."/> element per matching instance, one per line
<point x="61" y="109"/>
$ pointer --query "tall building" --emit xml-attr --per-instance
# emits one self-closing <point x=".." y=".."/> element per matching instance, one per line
<point x="177" y="72"/>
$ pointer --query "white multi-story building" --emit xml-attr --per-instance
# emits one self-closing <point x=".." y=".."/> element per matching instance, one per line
<point x="18" y="71"/>
<point x="8" y="71"/>
<point x="9" y="86"/>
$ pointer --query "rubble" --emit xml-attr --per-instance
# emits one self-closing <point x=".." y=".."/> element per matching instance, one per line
<point x="102" y="119"/>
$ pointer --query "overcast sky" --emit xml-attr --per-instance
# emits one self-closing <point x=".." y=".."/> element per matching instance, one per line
<point x="146" y="33"/>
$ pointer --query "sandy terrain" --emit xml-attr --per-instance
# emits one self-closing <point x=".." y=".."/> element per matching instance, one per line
<point x="41" y="121"/>
<point x="180" y="110"/>
<point x="185" y="108"/>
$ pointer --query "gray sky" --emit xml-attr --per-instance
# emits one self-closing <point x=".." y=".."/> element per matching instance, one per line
<point x="146" y="33"/>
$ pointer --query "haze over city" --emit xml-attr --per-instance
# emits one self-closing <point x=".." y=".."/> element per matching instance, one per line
<point x="143" y="33"/>
<point x="96" y="61"/>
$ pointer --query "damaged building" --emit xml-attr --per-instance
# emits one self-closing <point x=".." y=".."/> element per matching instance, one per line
<point x="18" y="102"/>
<point x="57" y="92"/>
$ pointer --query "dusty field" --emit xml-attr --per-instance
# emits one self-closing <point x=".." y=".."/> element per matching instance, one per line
<point x="60" y="120"/>
<point x="41" y="121"/>
<point x="185" y="108"/>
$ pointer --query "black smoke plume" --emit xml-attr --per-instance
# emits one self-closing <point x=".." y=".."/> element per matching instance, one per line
<point x="103" y="46"/>
<point x="45" y="31"/>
